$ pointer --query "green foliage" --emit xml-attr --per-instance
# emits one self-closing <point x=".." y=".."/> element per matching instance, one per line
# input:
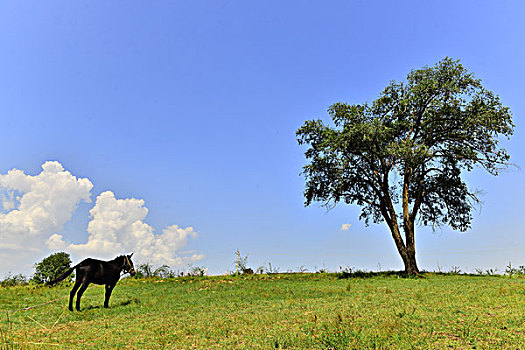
<point x="242" y="262"/>
<point x="146" y="271"/>
<point x="515" y="271"/>
<point x="439" y="122"/>
<point x="14" y="280"/>
<point x="455" y="270"/>
<point x="401" y="157"/>
<point x="488" y="272"/>
<point x="164" y="271"/>
<point x="272" y="269"/>
<point x="52" y="267"/>
<point x="197" y="271"/>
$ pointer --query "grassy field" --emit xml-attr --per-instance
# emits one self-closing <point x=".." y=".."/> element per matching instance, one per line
<point x="284" y="311"/>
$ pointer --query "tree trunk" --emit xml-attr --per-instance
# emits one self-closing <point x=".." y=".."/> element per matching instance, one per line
<point x="409" y="258"/>
<point x="406" y="248"/>
<point x="410" y="264"/>
<point x="408" y="255"/>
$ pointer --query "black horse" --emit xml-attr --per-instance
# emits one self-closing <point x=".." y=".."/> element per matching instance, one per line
<point x="98" y="272"/>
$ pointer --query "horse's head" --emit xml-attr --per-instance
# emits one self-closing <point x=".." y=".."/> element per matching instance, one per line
<point x="128" y="265"/>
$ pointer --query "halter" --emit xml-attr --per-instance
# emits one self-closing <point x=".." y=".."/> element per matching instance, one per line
<point x="131" y="269"/>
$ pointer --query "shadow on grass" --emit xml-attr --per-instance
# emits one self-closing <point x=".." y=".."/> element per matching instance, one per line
<point x="121" y="304"/>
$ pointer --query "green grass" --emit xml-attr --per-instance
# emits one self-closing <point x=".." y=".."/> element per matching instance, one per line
<point x="295" y="311"/>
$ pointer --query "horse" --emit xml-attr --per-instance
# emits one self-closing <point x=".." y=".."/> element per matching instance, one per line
<point x="98" y="272"/>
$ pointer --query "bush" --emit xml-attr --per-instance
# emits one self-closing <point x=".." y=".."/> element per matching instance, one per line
<point x="52" y="267"/>
<point x="164" y="271"/>
<point x="512" y="271"/>
<point x="144" y="271"/>
<point x="242" y="265"/>
<point x="197" y="271"/>
<point x="16" y="280"/>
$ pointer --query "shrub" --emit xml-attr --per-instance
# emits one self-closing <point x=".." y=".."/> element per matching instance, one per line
<point x="272" y="269"/>
<point x="146" y="271"/>
<point x="52" y="267"/>
<point x="197" y="271"/>
<point x="241" y="264"/>
<point x="16" y="280"/>
<point x="512" y="271"/>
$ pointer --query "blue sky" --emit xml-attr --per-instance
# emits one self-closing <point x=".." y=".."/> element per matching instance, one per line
<point x="192" y="107"/>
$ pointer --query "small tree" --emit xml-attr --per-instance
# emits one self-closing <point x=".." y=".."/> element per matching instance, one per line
<point x="52" y="267"/>
<point x="241" y="264"/>
<point x="197" y="271"/>
<point x="163" y="271"/>
<point x="401" y="158"/>
<point x="144" y="271"/>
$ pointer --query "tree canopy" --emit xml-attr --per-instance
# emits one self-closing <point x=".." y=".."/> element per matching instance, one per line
<point x="52" y="267"/>
<point x="401" y="157"/>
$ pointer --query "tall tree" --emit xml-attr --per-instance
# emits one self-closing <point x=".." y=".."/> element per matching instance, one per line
<point x="401" y="157"/>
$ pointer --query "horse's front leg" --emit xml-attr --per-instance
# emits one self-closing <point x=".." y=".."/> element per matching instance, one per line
<point x="109" y="289"/>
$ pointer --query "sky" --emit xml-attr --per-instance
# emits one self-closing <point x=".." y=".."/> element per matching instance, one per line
<point x="167" y="129"/>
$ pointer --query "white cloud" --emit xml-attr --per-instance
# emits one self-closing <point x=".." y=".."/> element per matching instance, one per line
<point x="35" y="209"/>
<point x="117" y="227"/>
<point x="345" y="227"/>
<point x="56" y="243"/>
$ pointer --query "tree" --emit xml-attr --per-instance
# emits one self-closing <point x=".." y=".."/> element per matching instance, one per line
<point x="52" y="267"/>
<point x="146" y="271"/>
<point x="401" y="158"/>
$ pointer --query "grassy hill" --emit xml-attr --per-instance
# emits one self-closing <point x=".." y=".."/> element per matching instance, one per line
<point x="294" y="311"/>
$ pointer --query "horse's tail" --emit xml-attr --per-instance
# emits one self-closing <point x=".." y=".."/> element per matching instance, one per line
<point x="63" y="277"/>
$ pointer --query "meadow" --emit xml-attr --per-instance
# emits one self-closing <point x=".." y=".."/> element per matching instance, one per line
<point x="274" y="311"/>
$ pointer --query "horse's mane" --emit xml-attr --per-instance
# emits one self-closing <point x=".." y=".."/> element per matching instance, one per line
<point x="118" y="258"/>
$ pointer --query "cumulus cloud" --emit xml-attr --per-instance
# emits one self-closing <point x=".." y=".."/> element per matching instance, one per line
<point x="34" y="210"/>
<point x="345" y="227"/>
<point x="35" y="207"/>
<point x="117" y="227"/>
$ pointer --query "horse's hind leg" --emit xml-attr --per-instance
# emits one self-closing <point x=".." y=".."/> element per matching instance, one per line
<point x="79" y="294"/>
<point x="72" y="294"/>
